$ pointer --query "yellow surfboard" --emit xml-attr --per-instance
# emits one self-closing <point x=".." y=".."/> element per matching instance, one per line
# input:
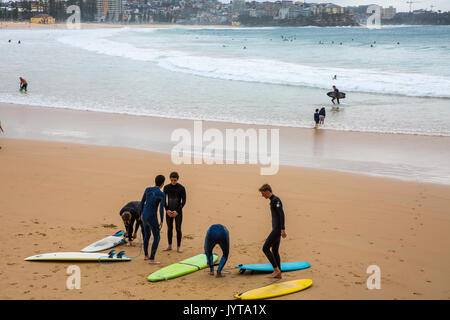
<point x="275" y="290"/>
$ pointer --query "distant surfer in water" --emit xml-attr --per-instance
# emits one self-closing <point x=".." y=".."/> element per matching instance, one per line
<point x="336" y="95"/>
<point x="278" y="230"/>
<point x="152" y="198"/>
<point x="131" y="216"/>
<point x="176" y="199"/>
<point x="217" y="234"/>
<point x="335" y="77"/>
<point x="23" y="84"/>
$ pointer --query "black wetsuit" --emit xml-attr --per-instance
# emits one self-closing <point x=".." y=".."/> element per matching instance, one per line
<point x="175" y="201"/>
<point x="336" y="96"/>
<point x="273" y="240"/>
<point x="133" y="208"/>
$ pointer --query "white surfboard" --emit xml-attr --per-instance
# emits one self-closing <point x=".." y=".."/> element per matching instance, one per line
<point x="77" y="256"/>
<point x="106" y="243"/>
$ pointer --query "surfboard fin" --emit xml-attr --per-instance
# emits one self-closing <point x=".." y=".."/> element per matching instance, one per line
<point x="111" y="254"/>
<point x="120" y="254"/>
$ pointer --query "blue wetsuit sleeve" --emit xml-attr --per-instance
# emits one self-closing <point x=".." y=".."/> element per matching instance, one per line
<point x="141" y="206"/>
<point x="226" y="251"/>
<point x="161" y="206"/>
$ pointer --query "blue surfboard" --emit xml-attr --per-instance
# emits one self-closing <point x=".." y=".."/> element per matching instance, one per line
<point x="267" y="267"/>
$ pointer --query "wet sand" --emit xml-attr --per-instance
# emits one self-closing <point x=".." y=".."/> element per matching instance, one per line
<point x="408" y="157"/>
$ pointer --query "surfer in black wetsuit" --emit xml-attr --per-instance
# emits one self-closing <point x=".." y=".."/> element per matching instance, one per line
<point x="175" y="201"/>
<point x="336" y="95"/>
<point x="131" y="216"/>
<point x="278" y="230"/>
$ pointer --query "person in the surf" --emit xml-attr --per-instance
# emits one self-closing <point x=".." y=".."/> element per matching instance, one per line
<point x="336" y="95"/>
<point x="322" y="115"/>
<point x="316" y="119"/>
<point x="23" y="84"/>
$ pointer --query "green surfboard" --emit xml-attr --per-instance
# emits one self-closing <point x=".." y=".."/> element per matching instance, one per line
<point x="181" y="268"/>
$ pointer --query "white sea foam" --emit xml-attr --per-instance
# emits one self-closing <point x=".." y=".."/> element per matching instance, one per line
<point x="264" y="70"/>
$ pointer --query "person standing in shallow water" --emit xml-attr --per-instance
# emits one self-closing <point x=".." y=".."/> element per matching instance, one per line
<point x="316" y="119"/>
<point x="176" y="199"/>
<point x="278" y="230"/>
<point x="322" y="115"/>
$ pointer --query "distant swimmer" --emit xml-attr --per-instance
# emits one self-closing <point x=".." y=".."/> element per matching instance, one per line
<point x="336" y="95"/>
<point x="23" y="84"/>
<point x="335" y="77"/>
<point x="18" y="42"/>
<point x="217" y="234"/>
<point x="9" y="40"/>
<point x="278" y="230"/>
<point x="131" y="216"/>
<point x="152" y="198"/>
<point x="245" y="48"/>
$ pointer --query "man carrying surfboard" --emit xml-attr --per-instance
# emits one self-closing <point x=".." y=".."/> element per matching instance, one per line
<point x="152" y="198"/>
<point x="336" y="95"/>
<point x="278" y="230"/>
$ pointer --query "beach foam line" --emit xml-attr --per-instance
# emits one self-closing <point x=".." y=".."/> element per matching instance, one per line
<point x="266" y="71"/>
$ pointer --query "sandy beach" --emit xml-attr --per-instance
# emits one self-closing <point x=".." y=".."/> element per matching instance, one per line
<point x="62" y="196"/>
<point x="73" y="155"/>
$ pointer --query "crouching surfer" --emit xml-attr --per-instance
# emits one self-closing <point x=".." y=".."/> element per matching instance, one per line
<point x="217" y="234"/>
<point x="131" y="219"/>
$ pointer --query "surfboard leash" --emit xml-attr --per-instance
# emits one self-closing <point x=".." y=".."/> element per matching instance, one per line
<point x="108" y="256"/>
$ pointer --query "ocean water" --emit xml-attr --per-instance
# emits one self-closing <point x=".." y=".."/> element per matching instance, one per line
<point x="397" y="79"/>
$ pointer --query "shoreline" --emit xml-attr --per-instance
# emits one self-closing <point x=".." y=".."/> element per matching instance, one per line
<point x="396" y="156"/>
<point x="341" y="223"/>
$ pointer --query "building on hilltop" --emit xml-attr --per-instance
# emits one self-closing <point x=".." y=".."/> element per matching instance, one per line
<point x="42" y="19"/>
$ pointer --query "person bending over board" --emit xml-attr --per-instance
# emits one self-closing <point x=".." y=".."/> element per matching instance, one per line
<point x="152" y="198"/>
<point x="278" y="230"/>
<point x="176" y="199"/>
<point x="336" y="95"/>
<point x="131" y="215"/>
<point x="217" y="234"/>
